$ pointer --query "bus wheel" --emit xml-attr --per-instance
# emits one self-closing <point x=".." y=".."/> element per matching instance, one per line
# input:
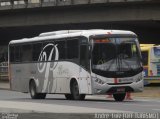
<point x="42" y="95"/>
<point x="33" y="92"/>
<point x="119" y="96"/>
<point x="75" y="92"/>
<point x="68" y="96"/>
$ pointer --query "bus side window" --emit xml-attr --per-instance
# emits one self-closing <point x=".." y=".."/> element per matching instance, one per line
<point x="12" y="51"/>
<point x="73" y="49"/>
<point x="84" y="56"/>
<point x="17" y="54"/>
<point x="145" y="57"/>
<point x="36" y="51"/>
<point x="26" y="53"/>
<point x="61" y="45"/>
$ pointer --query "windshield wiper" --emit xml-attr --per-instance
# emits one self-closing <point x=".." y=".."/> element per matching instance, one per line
<point x="112" y="62"/>
<point x="120" y="61"/>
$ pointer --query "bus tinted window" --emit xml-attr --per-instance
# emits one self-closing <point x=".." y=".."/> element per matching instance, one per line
<point x="61" y="49"/>
<point x="84" y="56"/>
<point x="26" y="53"/>
<point x="36" y="51"/>
<point x="17" y="54"/>
<point x="12" y="53"/>
<point x="72" y="49"/>
<point x="145" y="57"/>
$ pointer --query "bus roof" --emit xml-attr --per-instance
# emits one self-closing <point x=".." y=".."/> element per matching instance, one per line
<point x="146" y="47"/>
<point x="71" y="33"/>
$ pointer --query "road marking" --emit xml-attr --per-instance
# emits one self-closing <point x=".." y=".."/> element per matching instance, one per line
<point x="52" y="108"/>
<point x="156" y="109"/>
<point x="142" y="105"/>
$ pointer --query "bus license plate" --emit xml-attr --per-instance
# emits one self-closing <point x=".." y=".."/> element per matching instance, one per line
<point x="120" y="89"/>
<point x="125" y="80"/>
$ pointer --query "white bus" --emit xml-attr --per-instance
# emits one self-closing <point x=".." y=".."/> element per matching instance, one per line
<point x="77" y="63"/>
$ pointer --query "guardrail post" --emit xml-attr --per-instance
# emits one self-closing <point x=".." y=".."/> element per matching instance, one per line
<point x="56" y="2"/>
<point x="12" y="3"/>
<point x="26" y="3"/>
<point x="72" y="2"/>
<point x="41" y="2"/>
<point x="89" y="1"/>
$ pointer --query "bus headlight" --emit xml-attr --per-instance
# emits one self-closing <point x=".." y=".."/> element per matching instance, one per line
<point x="99" y="81"/>
<point x="139" y="78"/>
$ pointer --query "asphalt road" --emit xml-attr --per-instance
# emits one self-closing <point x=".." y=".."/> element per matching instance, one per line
<point x="98" y="102"/>
<point x="55" y="106"/>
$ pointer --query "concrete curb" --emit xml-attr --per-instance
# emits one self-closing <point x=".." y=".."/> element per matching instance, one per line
<point x="5" y="89"/>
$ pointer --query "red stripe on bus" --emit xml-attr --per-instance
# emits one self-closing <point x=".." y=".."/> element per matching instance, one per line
<point x="115" y="80"/>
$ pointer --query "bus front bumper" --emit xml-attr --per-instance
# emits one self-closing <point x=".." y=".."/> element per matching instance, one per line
<point x="119" y="88"/>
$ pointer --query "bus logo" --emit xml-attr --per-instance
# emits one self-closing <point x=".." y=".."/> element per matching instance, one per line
<point x="49" y="53"/>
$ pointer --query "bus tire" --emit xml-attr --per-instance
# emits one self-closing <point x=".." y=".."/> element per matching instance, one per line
<point x="33" y="91"/>
<point x="42" y="95"/>
<point x="68" y="96"/>
<point x="119" y="96"/>
<point x="75" y="91"/>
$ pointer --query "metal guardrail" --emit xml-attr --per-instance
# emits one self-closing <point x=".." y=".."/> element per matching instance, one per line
<point x="4" y="71"/>
<point x="9" y="4"/>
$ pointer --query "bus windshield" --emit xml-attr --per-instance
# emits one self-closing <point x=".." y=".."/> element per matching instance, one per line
<point x="116" y="57"/>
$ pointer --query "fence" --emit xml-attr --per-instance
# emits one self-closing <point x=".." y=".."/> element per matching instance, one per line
<point x="9" y="4"/>
<point x="4" y="71"/>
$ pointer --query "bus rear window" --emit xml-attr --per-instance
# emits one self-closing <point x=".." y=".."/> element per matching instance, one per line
<point x="145" y="57"/>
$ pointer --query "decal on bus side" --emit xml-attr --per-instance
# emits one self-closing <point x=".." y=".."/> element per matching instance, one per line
<point x="45" y="66"/>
